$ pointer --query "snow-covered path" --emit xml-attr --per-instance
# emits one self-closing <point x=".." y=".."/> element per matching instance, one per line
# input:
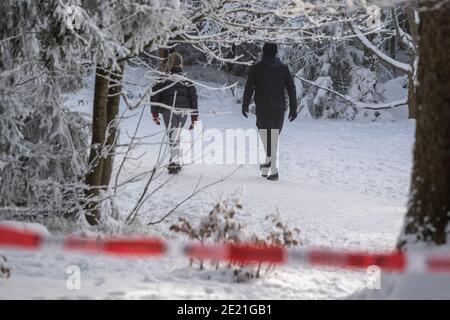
<point x="343" y="184"/>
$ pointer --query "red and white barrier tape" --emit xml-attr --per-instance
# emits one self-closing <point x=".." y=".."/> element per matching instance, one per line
<point x="416" y="261"/>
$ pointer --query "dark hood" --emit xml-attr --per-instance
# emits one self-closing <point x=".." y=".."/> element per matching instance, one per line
<point x="177" y="69"/>
<point x="271" y="61"/>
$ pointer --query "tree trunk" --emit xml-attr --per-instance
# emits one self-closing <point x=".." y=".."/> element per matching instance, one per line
<point x="412" y="96"/>
<point x="413" y="27"/>
<point x="428" y="214"/>
<point x="99" y="122"/>
<point x="112" y="111"/>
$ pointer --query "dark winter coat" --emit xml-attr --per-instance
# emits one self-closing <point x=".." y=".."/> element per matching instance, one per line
<point x="184" y="92"/>
<point x="268" y="80"/>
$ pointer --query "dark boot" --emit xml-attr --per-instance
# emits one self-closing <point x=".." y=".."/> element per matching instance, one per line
<point x="174" y="168"/>
<point x="273" y="177"/>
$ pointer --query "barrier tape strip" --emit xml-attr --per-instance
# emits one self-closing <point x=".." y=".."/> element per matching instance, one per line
<point x="245" y="253"/>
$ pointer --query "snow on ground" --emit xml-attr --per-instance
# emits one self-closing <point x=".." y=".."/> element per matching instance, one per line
<point x="343" y="184"/>
<point x="409" y="286"/>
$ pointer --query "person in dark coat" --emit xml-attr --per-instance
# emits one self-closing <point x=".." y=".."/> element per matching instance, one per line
<point x="267" y="81"/>
<point x="174" y="100"/>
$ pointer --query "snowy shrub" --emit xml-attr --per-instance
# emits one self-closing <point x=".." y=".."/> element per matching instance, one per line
<point x="323" y="102"/>
<point x="281" y="234"/>
<point x="220" y="226"/>
<point x="363" y="86"/>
